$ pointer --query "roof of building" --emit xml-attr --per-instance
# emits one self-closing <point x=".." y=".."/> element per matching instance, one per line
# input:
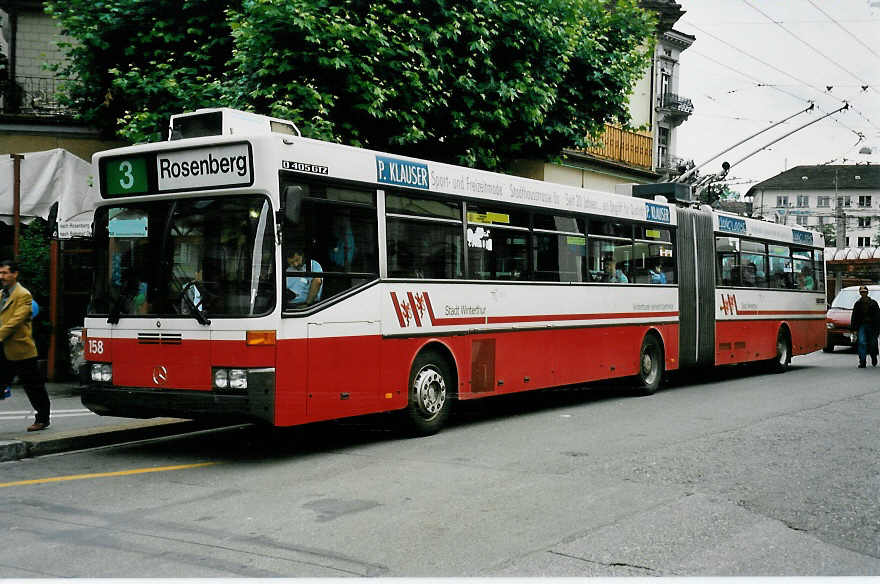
<point x="668" y="12"/>
<point x="824" y="176"/>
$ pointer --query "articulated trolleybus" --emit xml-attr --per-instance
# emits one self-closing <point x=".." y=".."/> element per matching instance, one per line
<point x="247" y="272"/>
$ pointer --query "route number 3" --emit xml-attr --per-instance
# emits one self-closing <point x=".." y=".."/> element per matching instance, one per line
<point x="127" y="180"/>
<point x="96" y="347"/>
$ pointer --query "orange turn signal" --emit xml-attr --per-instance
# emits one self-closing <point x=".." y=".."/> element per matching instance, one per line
<point x="261" y="338"/>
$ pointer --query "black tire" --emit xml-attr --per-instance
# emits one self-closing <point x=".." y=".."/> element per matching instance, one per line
<point x="828" y="348"/>
<point x="780" y="362"/>
<point x="651" y="366"/>
<point x="431" y="388"/>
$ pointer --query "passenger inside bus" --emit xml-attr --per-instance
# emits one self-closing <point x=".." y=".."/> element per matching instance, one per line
<point x="302" y="289"/>
<point x="614" y="274"/>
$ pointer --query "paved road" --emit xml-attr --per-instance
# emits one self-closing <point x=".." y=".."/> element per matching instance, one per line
<point x="755" y="475"/>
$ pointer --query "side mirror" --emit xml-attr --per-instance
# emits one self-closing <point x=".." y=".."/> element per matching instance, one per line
<point x="292" y="197"/>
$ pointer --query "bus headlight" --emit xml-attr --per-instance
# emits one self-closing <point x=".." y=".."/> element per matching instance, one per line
<point x="221" y="378"/>
<point x="238" y="379"/>
<point x="226" y="378"/>
<point x="102" y="372"/>
<point x="829" y="325"/>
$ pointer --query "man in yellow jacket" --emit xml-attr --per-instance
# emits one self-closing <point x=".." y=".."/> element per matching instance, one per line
<point x="19" y="355"/>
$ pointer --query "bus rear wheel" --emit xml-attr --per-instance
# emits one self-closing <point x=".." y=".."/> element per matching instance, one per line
<point x="783" y="353"/>
<point x="431" y="385"/>
<point x="650" y="366"/>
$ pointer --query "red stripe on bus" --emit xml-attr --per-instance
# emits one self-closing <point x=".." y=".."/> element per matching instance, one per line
<point x="605" y="316"/>
<point x="781" y="312"/>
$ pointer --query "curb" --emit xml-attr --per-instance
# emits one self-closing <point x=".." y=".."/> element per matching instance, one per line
<point x="40" y="445"/>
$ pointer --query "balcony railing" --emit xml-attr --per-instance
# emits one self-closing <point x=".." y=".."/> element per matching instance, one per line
<point x="676" y="103"/>
<point x="32" y="96"/>
<point x="625" y="147"/>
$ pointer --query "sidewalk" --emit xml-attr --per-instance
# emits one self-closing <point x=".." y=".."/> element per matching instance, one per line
<point x="73" y="427"/>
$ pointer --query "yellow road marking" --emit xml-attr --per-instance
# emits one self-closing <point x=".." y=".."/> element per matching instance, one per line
<point x="98" y="475"/>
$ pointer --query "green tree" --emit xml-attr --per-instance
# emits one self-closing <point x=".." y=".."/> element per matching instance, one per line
<point x="132" y="63"/>
<point x="475" y="82"/>
<point x="829" y="230"/>
<point x="33" y="259"/>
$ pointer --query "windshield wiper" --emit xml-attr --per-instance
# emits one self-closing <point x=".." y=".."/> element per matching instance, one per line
<point x="196" y="309"/>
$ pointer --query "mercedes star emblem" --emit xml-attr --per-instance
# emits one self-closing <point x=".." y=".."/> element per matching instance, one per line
<point x="160" y="375"/>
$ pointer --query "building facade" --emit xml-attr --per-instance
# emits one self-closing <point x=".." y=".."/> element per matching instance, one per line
<point x="31" y="117"/>
<point x="842" y="201"/>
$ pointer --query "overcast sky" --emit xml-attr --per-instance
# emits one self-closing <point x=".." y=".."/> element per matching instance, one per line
<point x="757" y="62"/>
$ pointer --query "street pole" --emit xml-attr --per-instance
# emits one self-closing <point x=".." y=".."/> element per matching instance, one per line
<point x="840" y="227"/>
<point x="840" y="216"/>
<point x="16" y="202"/>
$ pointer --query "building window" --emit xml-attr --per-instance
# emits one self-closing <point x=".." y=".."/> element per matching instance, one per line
<point x="801" y="220"/>
<point x="803" y="201"/>
<point x="662" y="146"/>
<point x="864" y="200"/>
<point x="864" y="241"/>
<point x="782" y="200"/>
<point x="823" y="202"/>
<point x="864" y="221"/>
<point x="843" y="202"/>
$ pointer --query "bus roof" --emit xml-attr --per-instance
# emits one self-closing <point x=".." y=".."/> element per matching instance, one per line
<point x="270" y="148"/>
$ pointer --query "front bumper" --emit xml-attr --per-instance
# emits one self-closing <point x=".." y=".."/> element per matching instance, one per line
<point x="258" y="404"/>
<point x="840" y="337"/>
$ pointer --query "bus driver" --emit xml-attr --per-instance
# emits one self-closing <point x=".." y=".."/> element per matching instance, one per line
<point x="302" y="289"/>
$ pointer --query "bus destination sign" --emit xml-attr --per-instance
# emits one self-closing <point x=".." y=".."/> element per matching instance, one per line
<point x="228" y="165"/>
<point x="200" y="168"/>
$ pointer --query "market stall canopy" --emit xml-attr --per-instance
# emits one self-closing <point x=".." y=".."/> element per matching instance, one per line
<point x="53" y="176"/>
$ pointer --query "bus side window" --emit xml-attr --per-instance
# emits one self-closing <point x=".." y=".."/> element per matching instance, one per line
<point x="336" y="232"/>
<point x="424" y="237"/>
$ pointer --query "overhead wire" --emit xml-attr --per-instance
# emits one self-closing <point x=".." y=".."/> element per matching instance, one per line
<point x="841" y="27"/>
<point x="760" y="83"/>
<point x="802" y="41"/>
<point x="813" y="48"/>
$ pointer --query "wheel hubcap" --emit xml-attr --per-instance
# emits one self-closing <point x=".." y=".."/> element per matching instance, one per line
<point x="429" y="391"/>
<point x="649" y="369"/>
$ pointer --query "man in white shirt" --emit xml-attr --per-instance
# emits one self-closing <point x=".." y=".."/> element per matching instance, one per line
<point x="303" y="289"/>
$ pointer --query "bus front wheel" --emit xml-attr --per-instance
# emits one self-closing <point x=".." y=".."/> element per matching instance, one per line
<point x="431" y="385"/>
<point x="650" y="366"/>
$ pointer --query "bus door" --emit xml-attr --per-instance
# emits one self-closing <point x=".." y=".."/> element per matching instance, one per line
<point x="343" y="366"/>
<point x="696" y="288"/>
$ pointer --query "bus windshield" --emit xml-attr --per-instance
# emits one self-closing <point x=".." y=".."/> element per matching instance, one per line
<point x="205" y="257"/>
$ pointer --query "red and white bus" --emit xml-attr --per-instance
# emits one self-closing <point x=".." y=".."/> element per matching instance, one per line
<point x="247" y="272"/>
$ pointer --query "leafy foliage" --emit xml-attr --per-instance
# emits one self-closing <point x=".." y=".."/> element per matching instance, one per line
<point x="33" y="259"/>
<point x="474" y="82"/>
<point x="830" y="232"/>
<point x="133" y="62"/>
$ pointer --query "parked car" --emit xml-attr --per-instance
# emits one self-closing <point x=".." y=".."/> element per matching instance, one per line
<point x="839" y="316"/>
